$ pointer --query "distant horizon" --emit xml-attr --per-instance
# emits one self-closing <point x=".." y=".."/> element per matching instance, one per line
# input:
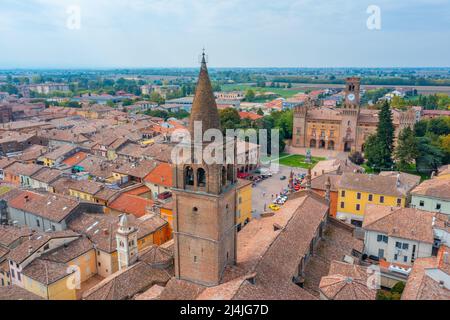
<point x="36" y="68"/>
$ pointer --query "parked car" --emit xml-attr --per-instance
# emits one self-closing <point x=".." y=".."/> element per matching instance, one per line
<point x="165" y="195"/>
<point x="274" y="207"/>
<point x="283" y="178"/>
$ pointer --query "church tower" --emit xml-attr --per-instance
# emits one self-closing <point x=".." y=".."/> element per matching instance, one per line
<point x="127" y="249"/>
<point x="205" y="200"/>
<point x="350" y="114"/>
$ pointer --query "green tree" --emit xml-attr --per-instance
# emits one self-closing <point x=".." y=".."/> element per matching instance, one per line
<point x="406" y="150"/>
<point x="229" y="119"/>
<point x="371" y="151"/>
<point x="385" y="136"/>
<point x="260" y="112"/>
<point x="157" y="98"/>
<point x="429" y="157"/>
<point x="250" y="95"/>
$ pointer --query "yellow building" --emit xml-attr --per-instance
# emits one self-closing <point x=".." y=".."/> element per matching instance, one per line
<point x="356" y="190"/>
<point x="244" y="203"/>
<point x="49" y="280"/>
<point x="85" y="189"/>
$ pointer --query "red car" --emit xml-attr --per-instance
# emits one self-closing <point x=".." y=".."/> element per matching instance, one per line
<point x="165" y="195"/>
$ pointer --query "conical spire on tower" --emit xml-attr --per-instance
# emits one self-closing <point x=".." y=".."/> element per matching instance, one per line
<point x="204" y="107"/>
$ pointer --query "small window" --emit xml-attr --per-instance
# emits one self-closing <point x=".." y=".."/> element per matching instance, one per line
<point x="370" y="197"/>
<point x="18" y="276"/>
<point x="99" y="264"/>
<point x="405" y="259"/>
<point x="195" y="210"/>
<point x="379" y="237"/>
<point x="399" y="202"/>
<point x="385" y="239"/>
<point x="381" y="199"/>
<point x="342" y="205"/>
<point x="395" y="257"/>
<point x="358" y="207"/>
<point x="343" y="193"/>
<point x="195" y="259"/>
<point x="438" y="206"/>
<point x="405" y="246"/>
<point x="53" y="227"/>
<point x="38" y="223"/>
<point x="358" y="196"/>
<point x="422" y="203"/>
<point x="398" y="245"/>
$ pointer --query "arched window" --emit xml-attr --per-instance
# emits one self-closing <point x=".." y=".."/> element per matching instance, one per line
<point x="189" y="176"/>
<point x="201" y="178"/>
<point x="224" y="176"/>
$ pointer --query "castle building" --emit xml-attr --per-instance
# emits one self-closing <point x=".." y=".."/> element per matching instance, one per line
<point x="342" y="129"/>
<point x="204" y="200"/>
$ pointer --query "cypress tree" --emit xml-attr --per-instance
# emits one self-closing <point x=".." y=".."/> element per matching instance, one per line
<point x="385" y="137"/>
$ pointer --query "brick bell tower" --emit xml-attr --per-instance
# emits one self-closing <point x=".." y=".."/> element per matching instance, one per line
<point x="204" y="200"/>
<point x="350" y="114"/>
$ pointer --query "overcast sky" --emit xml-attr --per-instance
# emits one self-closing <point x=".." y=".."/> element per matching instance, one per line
<point x="235" y="33"/>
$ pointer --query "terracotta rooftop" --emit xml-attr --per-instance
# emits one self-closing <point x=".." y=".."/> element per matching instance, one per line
<point x="23" y="169"/>
<point x="75" y="159"/>
<point x="87" y="186"/>
<point x="346" y="282"/>
<point x="60" y="152"/>
<point x="47" y="175"/>
<point x="131" y="204"/>
<point x="406" y="223"/>
<point x="435" y="188"/>
<point x="139" y="170"/>
<point x="378" y="184"/>
<point x="319" y="182"/>
<point x="35" y="242"/>
<point x="45" y="271"/>
<point x="17" y="293"/>
<point x="10" y="234"/>
<point x="53" y="207"/>
<point x="144" y="274"/>
<point x="420" y="286"/>
<point x="101" y="228"/>
<point x="161" y="175"/>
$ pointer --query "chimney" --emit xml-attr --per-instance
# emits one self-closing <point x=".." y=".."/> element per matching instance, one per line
<point x="30" y="250"/>
<point x="398" y="180"/>
<point x="433" y="174"/>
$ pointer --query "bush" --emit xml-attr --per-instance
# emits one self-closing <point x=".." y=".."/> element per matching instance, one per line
<point x="356" y="157"/>
<point x="398" y="288"/>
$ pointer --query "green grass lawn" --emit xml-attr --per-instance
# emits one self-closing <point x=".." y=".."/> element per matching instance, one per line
<point x="295" y="160"/>
<point x="285" y="93"/>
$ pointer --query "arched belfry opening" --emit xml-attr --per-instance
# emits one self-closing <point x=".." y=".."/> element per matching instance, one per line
<point x="188" y="176"/>
<point x="201" y="178"/>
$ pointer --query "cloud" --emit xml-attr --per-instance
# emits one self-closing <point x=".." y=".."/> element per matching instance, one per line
<point x="141" y="33"/>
